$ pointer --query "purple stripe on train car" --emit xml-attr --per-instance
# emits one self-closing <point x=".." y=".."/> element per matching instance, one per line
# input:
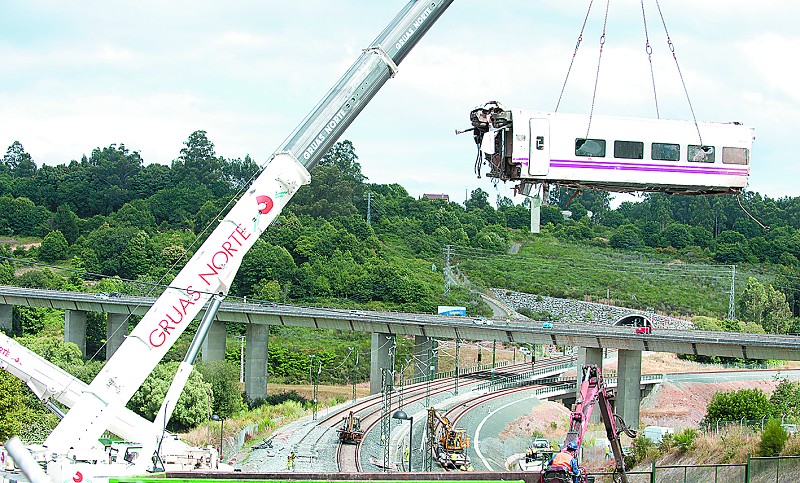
<point x="647" y="167"/>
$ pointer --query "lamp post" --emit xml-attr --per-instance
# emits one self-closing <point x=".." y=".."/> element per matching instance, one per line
<point x="401" y="415"/>
<point x="221" y="420"/>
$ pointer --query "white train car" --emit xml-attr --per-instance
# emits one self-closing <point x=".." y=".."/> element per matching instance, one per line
<point x="620" y="154"/>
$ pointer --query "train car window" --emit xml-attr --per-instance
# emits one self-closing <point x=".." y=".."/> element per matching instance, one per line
<point x="735" y="155"/>
<point x="590" y="147"/>
<point x="665" y="152"/>
<point x="629" y="149"/>
<point x="700" y="154"/>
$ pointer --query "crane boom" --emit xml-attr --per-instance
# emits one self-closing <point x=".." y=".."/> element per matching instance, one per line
<point x="211" y="270"/>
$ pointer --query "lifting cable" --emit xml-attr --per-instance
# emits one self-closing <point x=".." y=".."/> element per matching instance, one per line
<point x="597" y="75"/>
<point x="738" y="198"/>
<point x="575" y="53"/>
<point x="649" y="50"/>
<point x="685" y="90"/>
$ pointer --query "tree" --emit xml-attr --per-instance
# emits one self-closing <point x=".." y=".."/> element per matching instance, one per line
<point x="54" y="247"/>
<point x="18" y="162"/>
<point x="677" y="235"/>
<point x="342" y="156"/>
<point x="12" y="406"/>
<point x="478" y="199"/>
<point x="67" y="222"/>
<point x="194" y="404"/>
<point x="198" y="165"/>
<point x="764" y="306"/>
<point x="224" y="379"/>
<point x="750" y="404"/>
<point x="773" y="439"/>
<point x="627" y="237"/>
<point x="786" y="398"/>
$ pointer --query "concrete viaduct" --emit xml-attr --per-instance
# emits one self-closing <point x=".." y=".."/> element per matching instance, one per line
<point x="385" y="326"/>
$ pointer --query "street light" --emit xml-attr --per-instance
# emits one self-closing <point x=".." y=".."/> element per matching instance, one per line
<point x="221" y="420"/>
<point x="401" y="415"/>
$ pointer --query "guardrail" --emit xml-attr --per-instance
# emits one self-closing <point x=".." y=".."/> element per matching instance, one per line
<point x="556" y="385"/>
<point x="462" y="371"/>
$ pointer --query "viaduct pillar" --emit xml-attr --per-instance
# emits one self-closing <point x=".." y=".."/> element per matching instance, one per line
<point x="75" y="328"/>
<point x="6" y="317"/>
<point x="426" y="357"/>
<point x="116" y="330"/>
<point x="214" y="343"/>
<point x="255" y="360"/>
<point x="379" y="359"/>
<point x="629" y="377"/>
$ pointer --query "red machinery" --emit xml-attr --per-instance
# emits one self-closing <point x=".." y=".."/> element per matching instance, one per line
<point x="592" y="391"/>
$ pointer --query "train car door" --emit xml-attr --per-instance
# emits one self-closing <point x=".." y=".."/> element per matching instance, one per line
<point x="539" y="164"/>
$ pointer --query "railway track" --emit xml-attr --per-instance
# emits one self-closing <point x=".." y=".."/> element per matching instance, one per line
<point x="349" y="457"/>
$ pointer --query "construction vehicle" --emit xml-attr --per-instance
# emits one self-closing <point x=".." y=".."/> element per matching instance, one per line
<point x="592" y="392"/>
<point x="448" y="445"/>
<point x="350" y="429"/>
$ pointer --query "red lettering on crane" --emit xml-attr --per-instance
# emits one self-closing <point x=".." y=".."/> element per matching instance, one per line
<point x="225" y="252"/>
<point x="78" y="477"/>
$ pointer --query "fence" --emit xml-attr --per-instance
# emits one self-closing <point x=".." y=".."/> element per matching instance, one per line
<point x="714" y="427"/>
<point x="784" y="469"/>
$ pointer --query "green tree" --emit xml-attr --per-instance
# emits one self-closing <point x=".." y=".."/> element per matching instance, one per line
<point x="765" y="306"/>
<point x="12" y="406"/>
<point x="54" y="247"/>
<point x="198" y="165"/>
<point x="194" y="404"/>
<point x="18" y="162"/>
<point x="750" y="404"/>
<point x="478" y="200"/>
<point x="627" y="237"/>
<point x="786" y="398"/>
<point x="677" y="235"/>
<point x="224" y="379"/>
<point x="773" y="439"/>
<point x="67" y="222"/>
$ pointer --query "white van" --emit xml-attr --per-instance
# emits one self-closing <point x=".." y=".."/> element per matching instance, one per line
<point x="655" y="433"/>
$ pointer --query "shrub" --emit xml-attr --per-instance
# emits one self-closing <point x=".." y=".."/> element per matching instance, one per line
<point x="773" y="439"/>
<point x="686" y="438"/>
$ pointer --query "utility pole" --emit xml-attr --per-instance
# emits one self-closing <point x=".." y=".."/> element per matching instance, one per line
<point x="731" y="309"/>
<point x="355" y="375"/>
<point x="455" y="389"/>
<point x="447" y="270"/>
<point x="313" y="382"/>
<point x="241" y="357"/>
<point x="387" y="381"/>
<point x="368" y="195"/>
<point x="494" y="353"/>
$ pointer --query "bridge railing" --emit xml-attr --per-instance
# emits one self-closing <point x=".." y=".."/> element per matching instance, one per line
<point x="462" y="371"/>
<point x="556" y="385"/>
<point x="526" y="378"/>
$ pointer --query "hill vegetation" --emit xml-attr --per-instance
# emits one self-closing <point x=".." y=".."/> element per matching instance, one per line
<point x="110" y="222"/>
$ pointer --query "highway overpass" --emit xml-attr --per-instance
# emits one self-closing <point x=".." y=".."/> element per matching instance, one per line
<point x="425" y="328"/>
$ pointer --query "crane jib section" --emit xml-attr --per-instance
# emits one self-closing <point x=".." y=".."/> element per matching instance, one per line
<point x="377" y="64"/>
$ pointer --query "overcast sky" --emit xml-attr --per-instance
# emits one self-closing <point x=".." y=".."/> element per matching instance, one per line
<point x="80" y="75"/>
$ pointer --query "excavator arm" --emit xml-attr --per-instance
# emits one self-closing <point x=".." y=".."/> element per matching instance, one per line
<point x="593" y="392"/>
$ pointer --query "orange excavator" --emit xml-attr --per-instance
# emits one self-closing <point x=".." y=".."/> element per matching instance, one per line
<point x="449" y="444"/>
<point x="350" y="429"/>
